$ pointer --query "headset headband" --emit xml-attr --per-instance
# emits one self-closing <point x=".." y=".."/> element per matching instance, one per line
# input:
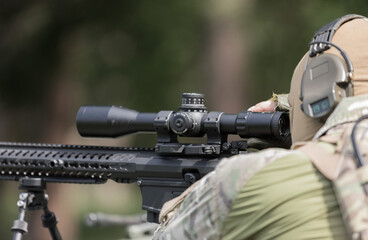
<point x="325" y="34"/>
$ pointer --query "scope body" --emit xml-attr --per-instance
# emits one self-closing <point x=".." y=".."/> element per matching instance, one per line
<point x="191" y="120"/>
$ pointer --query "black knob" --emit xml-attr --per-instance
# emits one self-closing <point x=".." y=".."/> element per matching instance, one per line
<point x="192" y="102"/>
<point x="181" y="123"/>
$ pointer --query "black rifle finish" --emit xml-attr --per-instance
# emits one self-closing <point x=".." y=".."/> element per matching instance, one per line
<point x="159" y="177"/>
<point x="163" y="172"/>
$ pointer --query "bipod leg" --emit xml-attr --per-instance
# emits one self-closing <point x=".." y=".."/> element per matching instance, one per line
<point x="33" y="199"/>
<point x="20" y="226"/>
<point x="49" y="221"/>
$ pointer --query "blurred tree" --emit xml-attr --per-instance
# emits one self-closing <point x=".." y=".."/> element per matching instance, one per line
<point x="225" y="55"/>
<point x="57" y="56"/>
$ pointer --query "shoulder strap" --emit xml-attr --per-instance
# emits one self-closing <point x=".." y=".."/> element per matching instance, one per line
<point x="325" y="162"/>
<point x="326" y="33"/>
<point x="347" y="179"/>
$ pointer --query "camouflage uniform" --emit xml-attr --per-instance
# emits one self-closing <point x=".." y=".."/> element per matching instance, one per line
<point x="348" y="180"/>
<point x="274" y="193"/>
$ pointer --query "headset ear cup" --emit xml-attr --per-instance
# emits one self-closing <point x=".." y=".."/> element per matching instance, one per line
<point x="340" y="81"/>
<point x="325" y="82"/>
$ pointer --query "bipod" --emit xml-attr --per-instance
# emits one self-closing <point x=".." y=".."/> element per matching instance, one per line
<point x="34" y="198"/>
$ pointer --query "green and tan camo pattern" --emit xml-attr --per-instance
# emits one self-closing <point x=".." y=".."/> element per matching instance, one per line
<point x="348" y="184"/>
<point x="202" y="213"/>
<point x="349" y="180"/>
<point x="348" y="110"/>
<point x="281" y="101"/>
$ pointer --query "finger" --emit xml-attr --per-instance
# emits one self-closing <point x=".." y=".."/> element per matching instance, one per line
<point x="265" y="106"/>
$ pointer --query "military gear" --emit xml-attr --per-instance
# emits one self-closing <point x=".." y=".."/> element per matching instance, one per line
<point x="352" y="37"/>
<point x="340" y="164"/>
<point x="326" y="79"/>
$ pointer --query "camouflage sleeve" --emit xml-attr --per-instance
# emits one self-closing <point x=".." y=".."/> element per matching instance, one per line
<point x="271" y="194"/>
<point x="287" y="199"/>
<point x="203" y="211"/>
<point x="282" y="102"/>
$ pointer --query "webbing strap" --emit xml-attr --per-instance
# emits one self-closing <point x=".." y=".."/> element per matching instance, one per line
<point x="326" y="33"/>
<point x="363" y="174"/>
<point x="325" y="162"/>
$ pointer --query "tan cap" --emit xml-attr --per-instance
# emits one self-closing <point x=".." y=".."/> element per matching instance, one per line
<point x="302" y="127"/>
<point x="352" y="37"/>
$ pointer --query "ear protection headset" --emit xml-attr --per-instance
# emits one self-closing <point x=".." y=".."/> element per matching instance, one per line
<point x="326" y="78"/>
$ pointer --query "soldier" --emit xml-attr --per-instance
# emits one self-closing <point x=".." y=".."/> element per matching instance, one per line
<point x="312" y="191"/>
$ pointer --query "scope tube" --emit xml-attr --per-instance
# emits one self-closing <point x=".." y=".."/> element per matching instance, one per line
<point x="112" y="121"/>
<point x="228" y="123"/>
<point x="256" y="124"/>
<point x="263" y="124"/>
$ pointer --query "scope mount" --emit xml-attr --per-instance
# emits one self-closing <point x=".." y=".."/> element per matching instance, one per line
<point x="170" y="124"/>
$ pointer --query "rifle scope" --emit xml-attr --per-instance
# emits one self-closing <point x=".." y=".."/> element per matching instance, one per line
<point x="191" y="120"/>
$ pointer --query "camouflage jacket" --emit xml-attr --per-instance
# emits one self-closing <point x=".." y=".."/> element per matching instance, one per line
<point x="348" y="179"/>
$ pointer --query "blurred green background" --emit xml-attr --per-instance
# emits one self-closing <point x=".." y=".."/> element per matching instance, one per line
<point x="58" y="55"/>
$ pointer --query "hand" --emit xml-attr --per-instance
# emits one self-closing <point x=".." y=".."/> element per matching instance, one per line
<point x="257" y="143"/>
<point x="265" y="106"/>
